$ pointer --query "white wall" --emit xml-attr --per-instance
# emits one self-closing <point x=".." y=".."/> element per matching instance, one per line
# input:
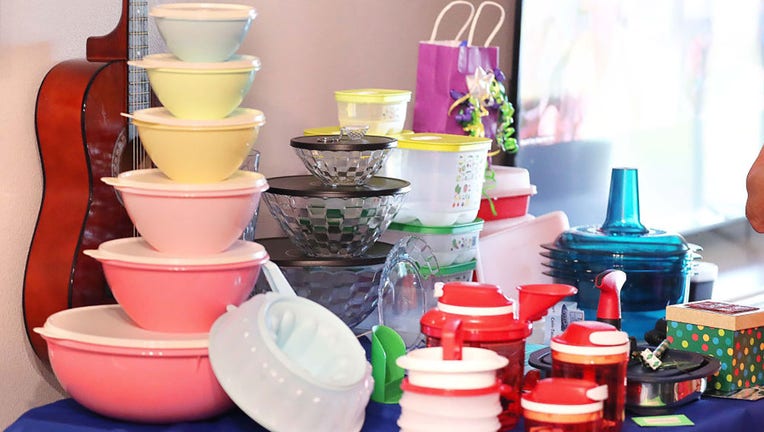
<point x="308" y="49"/>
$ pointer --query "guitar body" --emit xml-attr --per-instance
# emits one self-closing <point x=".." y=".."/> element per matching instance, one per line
<point x="78" y="121"/>
<point x="82" y="137"/>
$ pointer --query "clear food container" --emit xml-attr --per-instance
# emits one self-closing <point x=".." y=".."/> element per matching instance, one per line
<point x="382" y="110"/>
<point x="455" y="244"/>
<point x="446" y="173"/>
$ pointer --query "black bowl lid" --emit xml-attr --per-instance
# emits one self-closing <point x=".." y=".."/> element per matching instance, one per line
<point x="343" y="142"/>
<point x="678" y="366"/>
<point x="284" y="253"/>
<point x="308" y="185"/>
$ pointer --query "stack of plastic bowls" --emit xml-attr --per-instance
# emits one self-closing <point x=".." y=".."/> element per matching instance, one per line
<point x="145" y="359"/>
<point x="658" y="264"/>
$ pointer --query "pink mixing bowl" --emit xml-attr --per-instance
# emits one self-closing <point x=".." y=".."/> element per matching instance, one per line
<point x="166" y="293"/>
<point x="115" y="368"/>
<point x="189" y="219"/>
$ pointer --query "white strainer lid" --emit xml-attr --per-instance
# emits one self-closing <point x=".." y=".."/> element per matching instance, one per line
<point x="137" y="250"/>
<point x="160" y="115"/>
<point x="110" y="325"/>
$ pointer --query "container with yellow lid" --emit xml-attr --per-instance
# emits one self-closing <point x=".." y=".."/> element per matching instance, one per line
<point x="382" y="110"/>
<point x="446" y="173"/>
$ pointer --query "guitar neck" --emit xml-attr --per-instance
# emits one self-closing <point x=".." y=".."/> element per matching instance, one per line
<point x="138" y="94"/>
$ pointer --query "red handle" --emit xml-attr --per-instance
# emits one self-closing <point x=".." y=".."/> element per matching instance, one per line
<point x="452" y="340"/>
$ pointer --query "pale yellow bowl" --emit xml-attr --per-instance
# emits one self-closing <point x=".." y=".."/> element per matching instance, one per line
<point x="206" y="152"/>
<point x="199" y="91"/>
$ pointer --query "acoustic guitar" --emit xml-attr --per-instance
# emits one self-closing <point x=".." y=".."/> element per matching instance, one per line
<point x="82" y="137"/>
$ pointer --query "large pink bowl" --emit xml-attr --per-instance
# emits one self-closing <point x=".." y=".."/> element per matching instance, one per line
<point x="115" y="368"/>
<point x="189" y="219"/>
<point x="165" y="293"/>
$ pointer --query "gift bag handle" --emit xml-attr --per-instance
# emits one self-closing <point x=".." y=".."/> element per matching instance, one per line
<point x="443" y="13"/>
<point x="490" y="37"/>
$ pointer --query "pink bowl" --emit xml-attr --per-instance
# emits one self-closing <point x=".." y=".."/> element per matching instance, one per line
<point x="113" y="367"/>
<point x="164" y="293"/>
<point x="189" y="219"/>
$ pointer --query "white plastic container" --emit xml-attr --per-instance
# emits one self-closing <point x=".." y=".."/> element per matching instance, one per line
<point x="453" y="273"/>
<point x="382" y="110"/>
<point x="453" y="244"/>
<point x="446" y="173"/>
<point x="506" y="193"/>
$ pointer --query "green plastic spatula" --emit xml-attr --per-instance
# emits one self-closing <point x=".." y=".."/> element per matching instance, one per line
<point x="386" y="346"/>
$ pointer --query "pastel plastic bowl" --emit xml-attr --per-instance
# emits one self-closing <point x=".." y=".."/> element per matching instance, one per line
<point x="115" y="368"/>
<point x="199" y="91"/>
<point x="189" y="220"/>
<point x="171" y="294"/>
<point x="326" y="221"/>
<point x="382" y="110"/>
<point x="446" y="174"/>
<point x="291" y="365"/>
<point x="198" y="151"/>
<point x="203" y="32"/>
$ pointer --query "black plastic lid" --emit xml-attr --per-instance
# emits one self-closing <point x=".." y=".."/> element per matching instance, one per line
<point x="343" y="143"/>
<point x="308" y="185"/>
<point x="284" y="253"/>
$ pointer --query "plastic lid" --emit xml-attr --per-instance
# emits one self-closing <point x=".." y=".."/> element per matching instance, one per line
<point x="623" y="232"/>
<point x="343" y="143"/>
<point x="138" y="251"/>
<point x="565" y="396"/>
<point x="417" y="227"/>
<point x="335" y="130"/>
<point x="489" y="313"/>
<point x="308" y="185"/>
<point x="443" y="142"/>
<point x="284" y="253"/>
<point x="153" y="179"/>
<point x="160" y="115"/>
<point x="591" y="338"/>
<point x="204" y="11"/>
<point x="110" y="325"/>
<point x="450" y="270"/>
<point x="372" y="95"/>
<point x="169" y="61"/>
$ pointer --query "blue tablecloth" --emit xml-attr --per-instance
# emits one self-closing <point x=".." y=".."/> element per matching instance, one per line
<point x="709" y="415"/>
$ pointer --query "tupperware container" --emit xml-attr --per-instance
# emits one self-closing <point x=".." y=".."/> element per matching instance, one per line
<point x="455" y="244"/>
<point x="489" y="321"/>
<point x="189" y="219"/>
<point x="446" y="174"/>
<point x="203" y="32"/>
<point x="383" y="111"/>
<point x="597" y="352"/>
<point x="198" y="151"/>
<point x="325" y="221"/>
<point x="335" y="130"/>
<point x="344" y="159"/>
<point x="506" y="193"/>
<point x="168" y="293"/>
<point x="564" y="405"/>
<point x="346" y="286"/>
<point x="107" y="363"/>
<point x="461" y="272"/>
<point x="658" y="264"/>
<point x="199" y="91"/>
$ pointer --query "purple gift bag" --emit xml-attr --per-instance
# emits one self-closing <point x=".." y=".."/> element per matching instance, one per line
<point x="445" y="65"/>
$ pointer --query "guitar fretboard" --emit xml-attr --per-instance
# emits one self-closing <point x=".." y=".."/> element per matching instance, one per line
<point x="138" y="91"/>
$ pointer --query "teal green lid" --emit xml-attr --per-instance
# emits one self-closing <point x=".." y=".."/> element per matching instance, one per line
<point x="417" y="227"/>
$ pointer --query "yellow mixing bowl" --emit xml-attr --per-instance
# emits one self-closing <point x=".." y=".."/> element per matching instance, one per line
<point x="199" y="91"/>
<point x="198" y="151"/>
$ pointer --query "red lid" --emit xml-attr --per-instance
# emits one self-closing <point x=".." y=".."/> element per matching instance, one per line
<point x="486" y="313"/>
<point x="591" y="337"/>
<point x="565" y="396"/>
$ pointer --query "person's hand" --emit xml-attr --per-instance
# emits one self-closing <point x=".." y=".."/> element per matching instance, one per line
<point x="754" y="206"/>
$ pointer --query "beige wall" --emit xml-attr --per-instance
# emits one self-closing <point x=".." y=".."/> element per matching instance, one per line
<point x="308" y="48"/>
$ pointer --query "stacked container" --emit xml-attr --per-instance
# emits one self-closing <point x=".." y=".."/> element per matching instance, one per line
<point x="174" y="280"/>
<point x="446" y="174"/>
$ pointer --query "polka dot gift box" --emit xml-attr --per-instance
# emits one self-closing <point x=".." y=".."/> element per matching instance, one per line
<point x="731" y="333"/>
